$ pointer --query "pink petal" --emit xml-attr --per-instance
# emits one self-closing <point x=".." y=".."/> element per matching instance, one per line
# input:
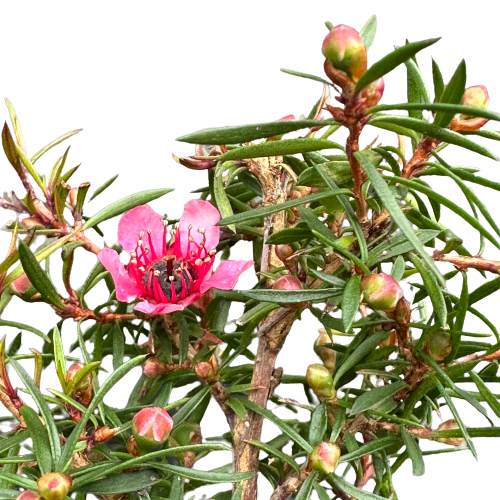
<point x="150" y="308"/>
<point x="140" y="219"/>
<point x="199" y="214"/>
<point x="226" y="275"/>
<point x="126" y="289"/>
<point x="187" y="301"/>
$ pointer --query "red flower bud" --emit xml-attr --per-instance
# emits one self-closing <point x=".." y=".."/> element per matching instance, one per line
<point x="403" y="311"/>
<point x="151" y="428"/>
<point x="73" y="195"/>
<point x="54" y="486"/>
<point x="371" y="95"/>
<point x="21" y="284"/>
<point x="450" y="425"/>
<point x="73" y="370"/>
<point x="284" y="252"/>
<point x="321" y="382"/>
<point x="153" y="368"/>
<point x="289" y="282"/>
<point x="327" y="355"/>
<point x="28" y="495"/>
<point x="473" y="96"/>
<point x="380" y="291"/>
<point x="346" y="51"/>
<point x="325" y="458"/>
<point x="195" y="163"/>
<point x="438" y="345"/>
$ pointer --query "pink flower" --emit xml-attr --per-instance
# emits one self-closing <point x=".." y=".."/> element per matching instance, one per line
<point x="169" y="276"/>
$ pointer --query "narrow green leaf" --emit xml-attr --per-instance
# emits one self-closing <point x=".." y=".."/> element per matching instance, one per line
<point x="375" y="397"/>
<point x="350" y="301"/>
<point x="124" y="205"/>
<point x="290" y="296"/>
<point x="485" y="290"/>
<point x="398" y="268"/>
<point x="437" y="78"/>
<point x="123" y="483"/>
<point x="183" y="336"/>
<point x="289" y="235"/>
<point x="305" y="75"/>
<point x="19" y="481"/>
<point x="102" y="188"/>
<point x="317" y="427"/>
<point x="398" y="216"/>
<point x="291" y="433"/>
<point x="55" y="142"/>
<point x="238" y="408"/>
<point x="439" y="107"/>
<point x="365" y="348"/>
<point x="431" y="130"/>
<point x="352" y="490"/>
<point x="369" y="448"/>
<point x="221" y="198"/>
<point x="305" y="490"/>
<point x="118" y="346"/>
<point x="392" y="61"/>
<point x="67" y="451"/>
<point x="16" y="124"/>
<point x="433" y="289"/>
<point x="414" y="452"/>
<point x="190" y="406"/>
<point x="38" y="277"/>
<point x="416" y="89"/>
<point x="338" y="423"/>
<point x="81" y="375"/>
<point x="452" y="94"/>
<point x="55" y="447"/>
<point x="279" y="148"/>
<point x="207" y="476"/>
<point x="59" y="358"/>
<point x="246" y="133"/>
<point x="257" y="313"/>
<point x="22" y="326"/>
<point x="40" y="438"/>
<point x="328" y="278"/>
<point x="368" y="31"/>
<point x="488" y="396"/>
<point x="271" y="450"/>
<point x="461" y="307"/>
<point x="272" y="209"/>
<point x="456" y="415"/>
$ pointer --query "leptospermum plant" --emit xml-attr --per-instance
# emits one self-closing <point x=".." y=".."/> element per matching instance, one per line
<point x="335" y="230"/>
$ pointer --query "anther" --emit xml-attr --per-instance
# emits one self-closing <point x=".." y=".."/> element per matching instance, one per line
<point x="190" y="226"/>
<point x="156" y="273"/>
<point x="201" y="230"/>
<point x="133" y="262"/>
<point x="142" y="268"/>
<point x="190" y="239"/>
<point x="207" y="259"/>
<point x="149" y="231"/>
<point x="141" y="235"/>
<point x="133" y="255"/>
<point x="171" y="278"/>
<point x="198" y="262"/>
<point x="212" y="252"/>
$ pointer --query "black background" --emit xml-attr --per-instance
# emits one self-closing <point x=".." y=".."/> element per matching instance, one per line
<point x="135" y="81"/>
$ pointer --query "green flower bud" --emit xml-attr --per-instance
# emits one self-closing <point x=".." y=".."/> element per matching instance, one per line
<point x="325" y="458"/>
<point x="327" y="355"/>
<point x="380" y="291"/>
<point x="320" y="380"/>
<point x="346" y="51"/>
<point x="438" y="345"/>
<point x="54" y="486"/>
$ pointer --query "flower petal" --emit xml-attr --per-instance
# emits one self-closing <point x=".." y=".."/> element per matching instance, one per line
<point x="150" y="308"/>
<point x="226" y="275"/>
<point x="126" y="289"/>
<point x="199" y="214"/>
<point x="140" y="219"/>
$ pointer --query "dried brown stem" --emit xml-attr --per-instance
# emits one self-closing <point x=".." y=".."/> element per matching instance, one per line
<point x="464" y="262"/>
<point x="291" y="484"/>
<point x="421" y="154"/>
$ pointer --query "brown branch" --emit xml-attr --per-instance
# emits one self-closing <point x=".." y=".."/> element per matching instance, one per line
<point x="78" y="313"/>
<point x="464" y="262"/>
<point x="291" y="484"/>
<point x="421" y="154"/>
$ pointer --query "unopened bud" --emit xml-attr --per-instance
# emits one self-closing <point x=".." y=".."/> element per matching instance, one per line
<point x="290" y="282"/>
<point x="450" y="425"/>
<point x="320" y="380"/>
<point x="32" y="223"/>
<point x="327" y="355"/>
<point x="54" y="486"/>
<point x="104" y="433"/>
<point x="438" y="345"/>
<point x="371" y="95"/>
<point x="187" y="433"/>
<point x="284" y="252"/>
<point x="346" y="51"/>
<point x="151" y="428"/>
<point x="73" y="370"/>
<point x="300" y="192"/>
<point x="402" y="312"/>
<point x="195" y="163"/>
<point x="325" y="458"/>
<point x="207" y="370"/>
<point x="478" y="97"/>
<point x="21" y="284"/>
<point x="381" y="291"/>
<point x="153" y="368"/>
<point x="73" y="195"/>
<point x="28" y="495"/>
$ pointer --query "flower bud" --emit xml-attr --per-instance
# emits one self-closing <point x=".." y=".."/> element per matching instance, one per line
<point x="21" y="285"/>
<point x="289" y="282"/>
<point x="380" y="291"/>
<point x="346" y="51"/>
<point x="207" y="370"/>
<point x="475" y="96"/>
<point x="73" y="195"/>
<point x="284" y="252"/>
<point x="187" y="433"/>
<point x="73" y="370"/>
<point x="438" y="345"/>
<point x="32" y="223"/>
<point x="325" y="458"/>
<point x="54" y="486"/>
<point x="450" y="425"/>
<point x="371" y="95"/>
<point x="195" y="163"/>
<point x="28" y="495"/>
<point x="320" y="380"/>
<point x="327" y="355"/>
<point x="403" y="311"/>
<point x="151" y="428"/>
<point x="153" y="368"/>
